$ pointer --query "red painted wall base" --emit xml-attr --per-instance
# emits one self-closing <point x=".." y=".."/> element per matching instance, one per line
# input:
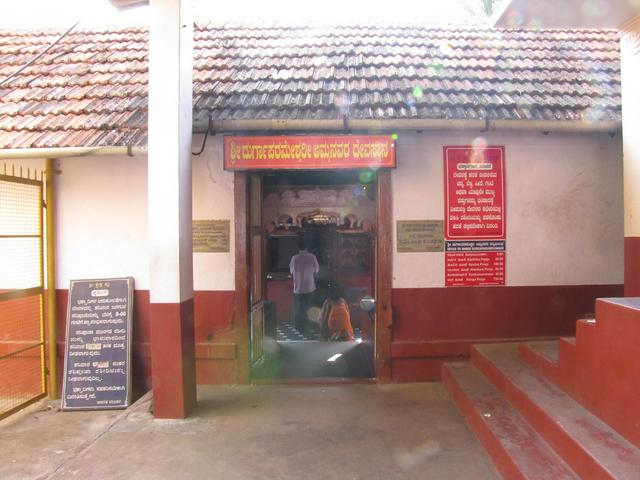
<point x="430" y="326"/>
<point x="214" y="336"/>
<point x="632" y="266"/>
<point x="435" y="325"/>
<point x="173" y="361"/>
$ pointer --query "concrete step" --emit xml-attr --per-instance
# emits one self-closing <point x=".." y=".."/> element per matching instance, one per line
<point x="543" y="357"/>
<point x="517" y="451"/>
<point x="547" y="350"/>
<point x="589" y="446"/>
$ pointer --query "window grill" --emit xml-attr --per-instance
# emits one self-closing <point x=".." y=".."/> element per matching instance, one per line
<point x="22" y="347"/>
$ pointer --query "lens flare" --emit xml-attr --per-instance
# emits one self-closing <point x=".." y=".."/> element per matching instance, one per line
<point x="534" y="24"/>
<point x="594" y="8"/>
<point x="365" y="176"/>
<point x="445" y="48"/>
<point x="422" y="453"/>
<point x="343" y="102"/>
<point x="592" y="114"/>
<point x="514" y="19"/>
<point x="479" y="142"/>
<point x="314" y="314"/>
<point x="435" y="69"/>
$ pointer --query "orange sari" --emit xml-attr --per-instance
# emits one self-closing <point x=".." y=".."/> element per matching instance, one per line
<point x="339" y="323"/>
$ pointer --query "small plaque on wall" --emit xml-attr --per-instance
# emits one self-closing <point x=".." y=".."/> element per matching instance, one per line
<point x="210" y="236"/>
<point x="420" y="236"/>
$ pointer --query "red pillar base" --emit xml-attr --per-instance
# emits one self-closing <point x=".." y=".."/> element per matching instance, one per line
<point x="173" y="369"/>
<point x="632" y="266"/>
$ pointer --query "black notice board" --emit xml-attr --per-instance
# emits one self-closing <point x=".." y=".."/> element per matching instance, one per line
<point x="97" y="357"/>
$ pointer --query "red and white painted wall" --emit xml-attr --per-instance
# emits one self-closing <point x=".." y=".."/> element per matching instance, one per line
<point x="102" y="232"/>
<point x="564" y="247"/>
<point x="630" y="76"/>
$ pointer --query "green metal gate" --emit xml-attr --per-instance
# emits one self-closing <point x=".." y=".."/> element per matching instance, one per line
<point x="22" y="348"/>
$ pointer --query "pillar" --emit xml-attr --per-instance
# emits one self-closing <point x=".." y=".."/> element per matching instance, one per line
<point x="630" y="58"/>
<point x="169" y="177"/>
<point x="50" y="245"/>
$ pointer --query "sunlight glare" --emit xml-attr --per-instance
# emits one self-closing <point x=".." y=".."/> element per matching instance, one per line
<point x="62" y="13"/>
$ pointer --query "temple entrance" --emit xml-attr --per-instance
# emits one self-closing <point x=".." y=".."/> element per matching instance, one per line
<point x="327" y="328"/>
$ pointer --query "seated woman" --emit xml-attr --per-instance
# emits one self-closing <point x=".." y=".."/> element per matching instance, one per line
<point x="335" y="323"/>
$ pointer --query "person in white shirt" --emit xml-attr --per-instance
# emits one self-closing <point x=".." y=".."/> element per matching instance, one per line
<point x="303" y="267"/>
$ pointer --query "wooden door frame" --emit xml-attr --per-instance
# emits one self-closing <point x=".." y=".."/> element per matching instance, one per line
<point x="382" y="278"/>
<point x="383" y="285"/>
<point x="241" y="297"/>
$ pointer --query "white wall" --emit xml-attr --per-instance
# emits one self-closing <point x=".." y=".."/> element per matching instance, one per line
<point x="564" y="206"/>
<point x="102" y="218"/>
<point x="213" y="200"/>
<point x="564" y="14"/>
<point x="630" y="76"/>
<point x="564" y="210"/>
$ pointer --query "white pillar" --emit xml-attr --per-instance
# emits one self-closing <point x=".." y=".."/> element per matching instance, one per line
<point x="171" y="258"/>
<point x="630" y="60"/>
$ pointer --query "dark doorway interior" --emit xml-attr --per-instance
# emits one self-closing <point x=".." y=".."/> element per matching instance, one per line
<point x="335" y="213"/>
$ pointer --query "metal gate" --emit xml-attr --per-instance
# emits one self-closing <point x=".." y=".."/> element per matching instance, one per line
<point x="22" y="349"/>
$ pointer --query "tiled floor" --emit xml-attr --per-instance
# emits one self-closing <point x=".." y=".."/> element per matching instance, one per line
<point x="286" y="332"/>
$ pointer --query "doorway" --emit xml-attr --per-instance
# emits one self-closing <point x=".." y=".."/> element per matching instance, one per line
<point x="335" y="213"/>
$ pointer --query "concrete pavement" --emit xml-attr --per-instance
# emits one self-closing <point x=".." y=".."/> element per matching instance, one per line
<point x="372" y="432"/>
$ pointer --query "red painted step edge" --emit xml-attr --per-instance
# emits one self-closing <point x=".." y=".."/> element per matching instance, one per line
<point x="566" y="446"/>
<point x="502" y="461"/>
<point x="515" y="447"/>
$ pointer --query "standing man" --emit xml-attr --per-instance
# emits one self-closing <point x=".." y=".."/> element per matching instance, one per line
<point x="303" y="267"/>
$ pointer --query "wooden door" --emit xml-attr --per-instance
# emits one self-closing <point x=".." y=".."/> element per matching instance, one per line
<point x="256" y="271"/>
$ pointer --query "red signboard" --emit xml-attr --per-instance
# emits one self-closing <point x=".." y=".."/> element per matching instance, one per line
<point x="471" y="269"/>
<point x="474" y="192"/>
<point x="309" y="152"/>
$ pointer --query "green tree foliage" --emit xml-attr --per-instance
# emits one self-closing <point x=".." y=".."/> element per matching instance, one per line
<point x="480" y="8"/>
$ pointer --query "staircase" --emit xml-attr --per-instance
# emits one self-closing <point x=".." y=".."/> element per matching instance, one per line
<point x="559" y="409"/>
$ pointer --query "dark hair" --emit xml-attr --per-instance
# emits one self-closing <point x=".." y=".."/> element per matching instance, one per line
<point x="335" y="292"/>
<point x="302" y="244"/>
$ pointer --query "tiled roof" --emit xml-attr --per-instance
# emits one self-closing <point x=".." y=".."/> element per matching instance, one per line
<point x="90" y="88"/>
